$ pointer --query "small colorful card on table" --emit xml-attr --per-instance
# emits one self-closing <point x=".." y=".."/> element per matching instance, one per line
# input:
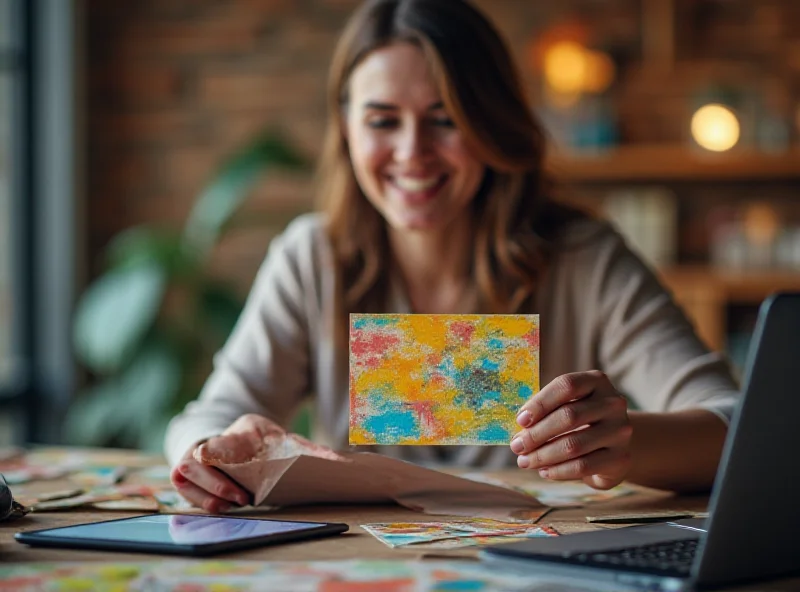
<point x="440" y="379"/>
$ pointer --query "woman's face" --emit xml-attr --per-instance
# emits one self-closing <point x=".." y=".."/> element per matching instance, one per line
<point x="409" y="159"/>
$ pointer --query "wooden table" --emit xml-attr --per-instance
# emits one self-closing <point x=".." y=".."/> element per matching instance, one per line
<point x="356" y="544"/>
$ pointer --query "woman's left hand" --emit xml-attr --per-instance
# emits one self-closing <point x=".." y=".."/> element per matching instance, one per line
<point x="576" y="427"/>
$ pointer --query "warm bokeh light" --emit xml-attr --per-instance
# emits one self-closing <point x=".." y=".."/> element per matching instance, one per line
<point x="761" y="223"/>
<point x="571" y="69"/>
<point x="715" y="127"/>
<point x="565" y="67"/>
<point x="600" y="72"/>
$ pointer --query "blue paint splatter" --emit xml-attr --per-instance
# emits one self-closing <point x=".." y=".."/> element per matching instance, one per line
<point x="460" y="586"/>
<point x="495" y="344"/>
<point x="448" y="369"/>
<point x="489" y="365"/>
<point x="392" y="424"/>
<point x="493" y="433"/>
<point x="525" y="391"/>
<point x="492" y="397"/>
<point x="367" y="322"/>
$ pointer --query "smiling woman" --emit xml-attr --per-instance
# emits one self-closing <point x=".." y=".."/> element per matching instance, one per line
<point x="433" y="200"/>
<point x="411" y="161"/>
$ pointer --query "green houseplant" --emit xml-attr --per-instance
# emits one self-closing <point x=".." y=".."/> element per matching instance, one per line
<point x="148" y="326"/>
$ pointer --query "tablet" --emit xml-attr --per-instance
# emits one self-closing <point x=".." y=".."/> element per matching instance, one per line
<point x="178" y="534"/>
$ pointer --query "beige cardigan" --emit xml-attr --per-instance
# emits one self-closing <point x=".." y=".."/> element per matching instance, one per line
<point x="600" y="307"/>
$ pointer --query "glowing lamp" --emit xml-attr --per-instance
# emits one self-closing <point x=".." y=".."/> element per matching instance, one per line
<point x="715" y="127"/>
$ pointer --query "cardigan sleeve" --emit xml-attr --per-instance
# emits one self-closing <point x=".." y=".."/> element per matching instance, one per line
<point x="648" y="347"/>
<point x="264" y="365"/>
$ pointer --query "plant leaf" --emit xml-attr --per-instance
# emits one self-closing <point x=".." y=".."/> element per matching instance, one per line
<point x="219" y="308"/>
<point x="115" y="313"/>
<point x="231" y="187"/>
<point x="143" y="244"/>
<point x="151" y="438"/>
<point x="94" y="417"/>
<point x="126" y="409"/>
<point x="149" y="386"/>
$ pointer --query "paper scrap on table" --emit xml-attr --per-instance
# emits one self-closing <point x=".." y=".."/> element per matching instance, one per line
<point x="99" y="476"/>
<point x="131" y="504"/>
<point x="158" y="474"/>
<point x="102" y="494"/>
<point x="290" y="470"/>
<point x="26" y="474"/>
<point x="10" y="453"/>
<point x="563" y="494"/>
<point x="476" y="541"/>
<point x="306" y="576"/>
<point x="643" y="517"/>
<point x="440" y="379"/>
<point x="400" y="534"/>
<point x="77" y="459"/>
<point x="87" y="468"/>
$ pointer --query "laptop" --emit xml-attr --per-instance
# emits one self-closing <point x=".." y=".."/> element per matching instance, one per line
<point x="753" y="528"/>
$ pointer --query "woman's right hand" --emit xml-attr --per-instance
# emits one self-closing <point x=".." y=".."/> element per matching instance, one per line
<point x="209" y="488"/>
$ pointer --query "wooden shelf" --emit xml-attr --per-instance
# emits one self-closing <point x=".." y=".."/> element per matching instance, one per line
<point x="674" y="163"/>
<point x="704" y="293"/>
<point x="745" y="286"/>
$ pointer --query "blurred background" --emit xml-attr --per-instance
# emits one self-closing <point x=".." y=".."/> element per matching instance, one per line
<point x="150" y="150"/>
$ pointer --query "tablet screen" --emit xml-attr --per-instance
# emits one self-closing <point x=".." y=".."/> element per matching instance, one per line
<point x="183" y="529"/>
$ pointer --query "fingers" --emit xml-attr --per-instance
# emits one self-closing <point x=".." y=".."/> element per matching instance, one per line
<point x="576" y="445"/>
<point x="567" y="418"/>
<point x="202" y="485"/>
<point x="563" y="389"/>
<point x="202" y="499"/>
<point x="606" y="466"/>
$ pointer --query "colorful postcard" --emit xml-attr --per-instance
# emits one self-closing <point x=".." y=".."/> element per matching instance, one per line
<point x="400" y="534"/>
<point x="481" y="540"/>
<point x="440" y="379"/>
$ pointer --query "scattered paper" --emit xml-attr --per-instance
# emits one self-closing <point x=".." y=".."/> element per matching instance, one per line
<point x="561" y="494"/>
<point x="440" y="379"/>
<point x="159" y="474"/>
<point x="642" y="517"/>
<point x="93" y="496"/>
<point x="400" y="534"/>
<point x="10" y="453"/>
<point x="34" y="473"/>
<point x="99" y="476"/>
<point x="286" y="576"/>
<point x="476" y="541"/>
<point x="132" y="504"/>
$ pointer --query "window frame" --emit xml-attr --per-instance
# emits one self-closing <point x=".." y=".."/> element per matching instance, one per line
<point x="44" y="215"/>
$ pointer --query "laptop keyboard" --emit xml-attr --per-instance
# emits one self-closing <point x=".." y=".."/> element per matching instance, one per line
<point x="675" y="556"/>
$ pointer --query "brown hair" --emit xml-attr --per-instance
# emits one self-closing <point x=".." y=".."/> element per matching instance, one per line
<point x="482" y="93"/>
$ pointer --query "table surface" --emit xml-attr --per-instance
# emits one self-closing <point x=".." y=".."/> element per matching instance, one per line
<point x="355" y="544"/>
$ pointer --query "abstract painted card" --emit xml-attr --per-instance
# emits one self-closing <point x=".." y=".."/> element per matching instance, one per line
<point x="440" y="379"/>
<point x="400" y="534"/>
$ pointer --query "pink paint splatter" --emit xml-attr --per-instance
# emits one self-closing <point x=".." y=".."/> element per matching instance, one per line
<point x="463" y="331"/>
<point x="372" y="344"/>
<point x="532" y="338"/>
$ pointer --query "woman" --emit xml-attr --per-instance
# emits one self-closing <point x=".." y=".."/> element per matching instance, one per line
<point x="433" y="201"/>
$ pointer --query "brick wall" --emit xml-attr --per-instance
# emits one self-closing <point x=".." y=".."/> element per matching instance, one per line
<point x="174" y="85"/>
